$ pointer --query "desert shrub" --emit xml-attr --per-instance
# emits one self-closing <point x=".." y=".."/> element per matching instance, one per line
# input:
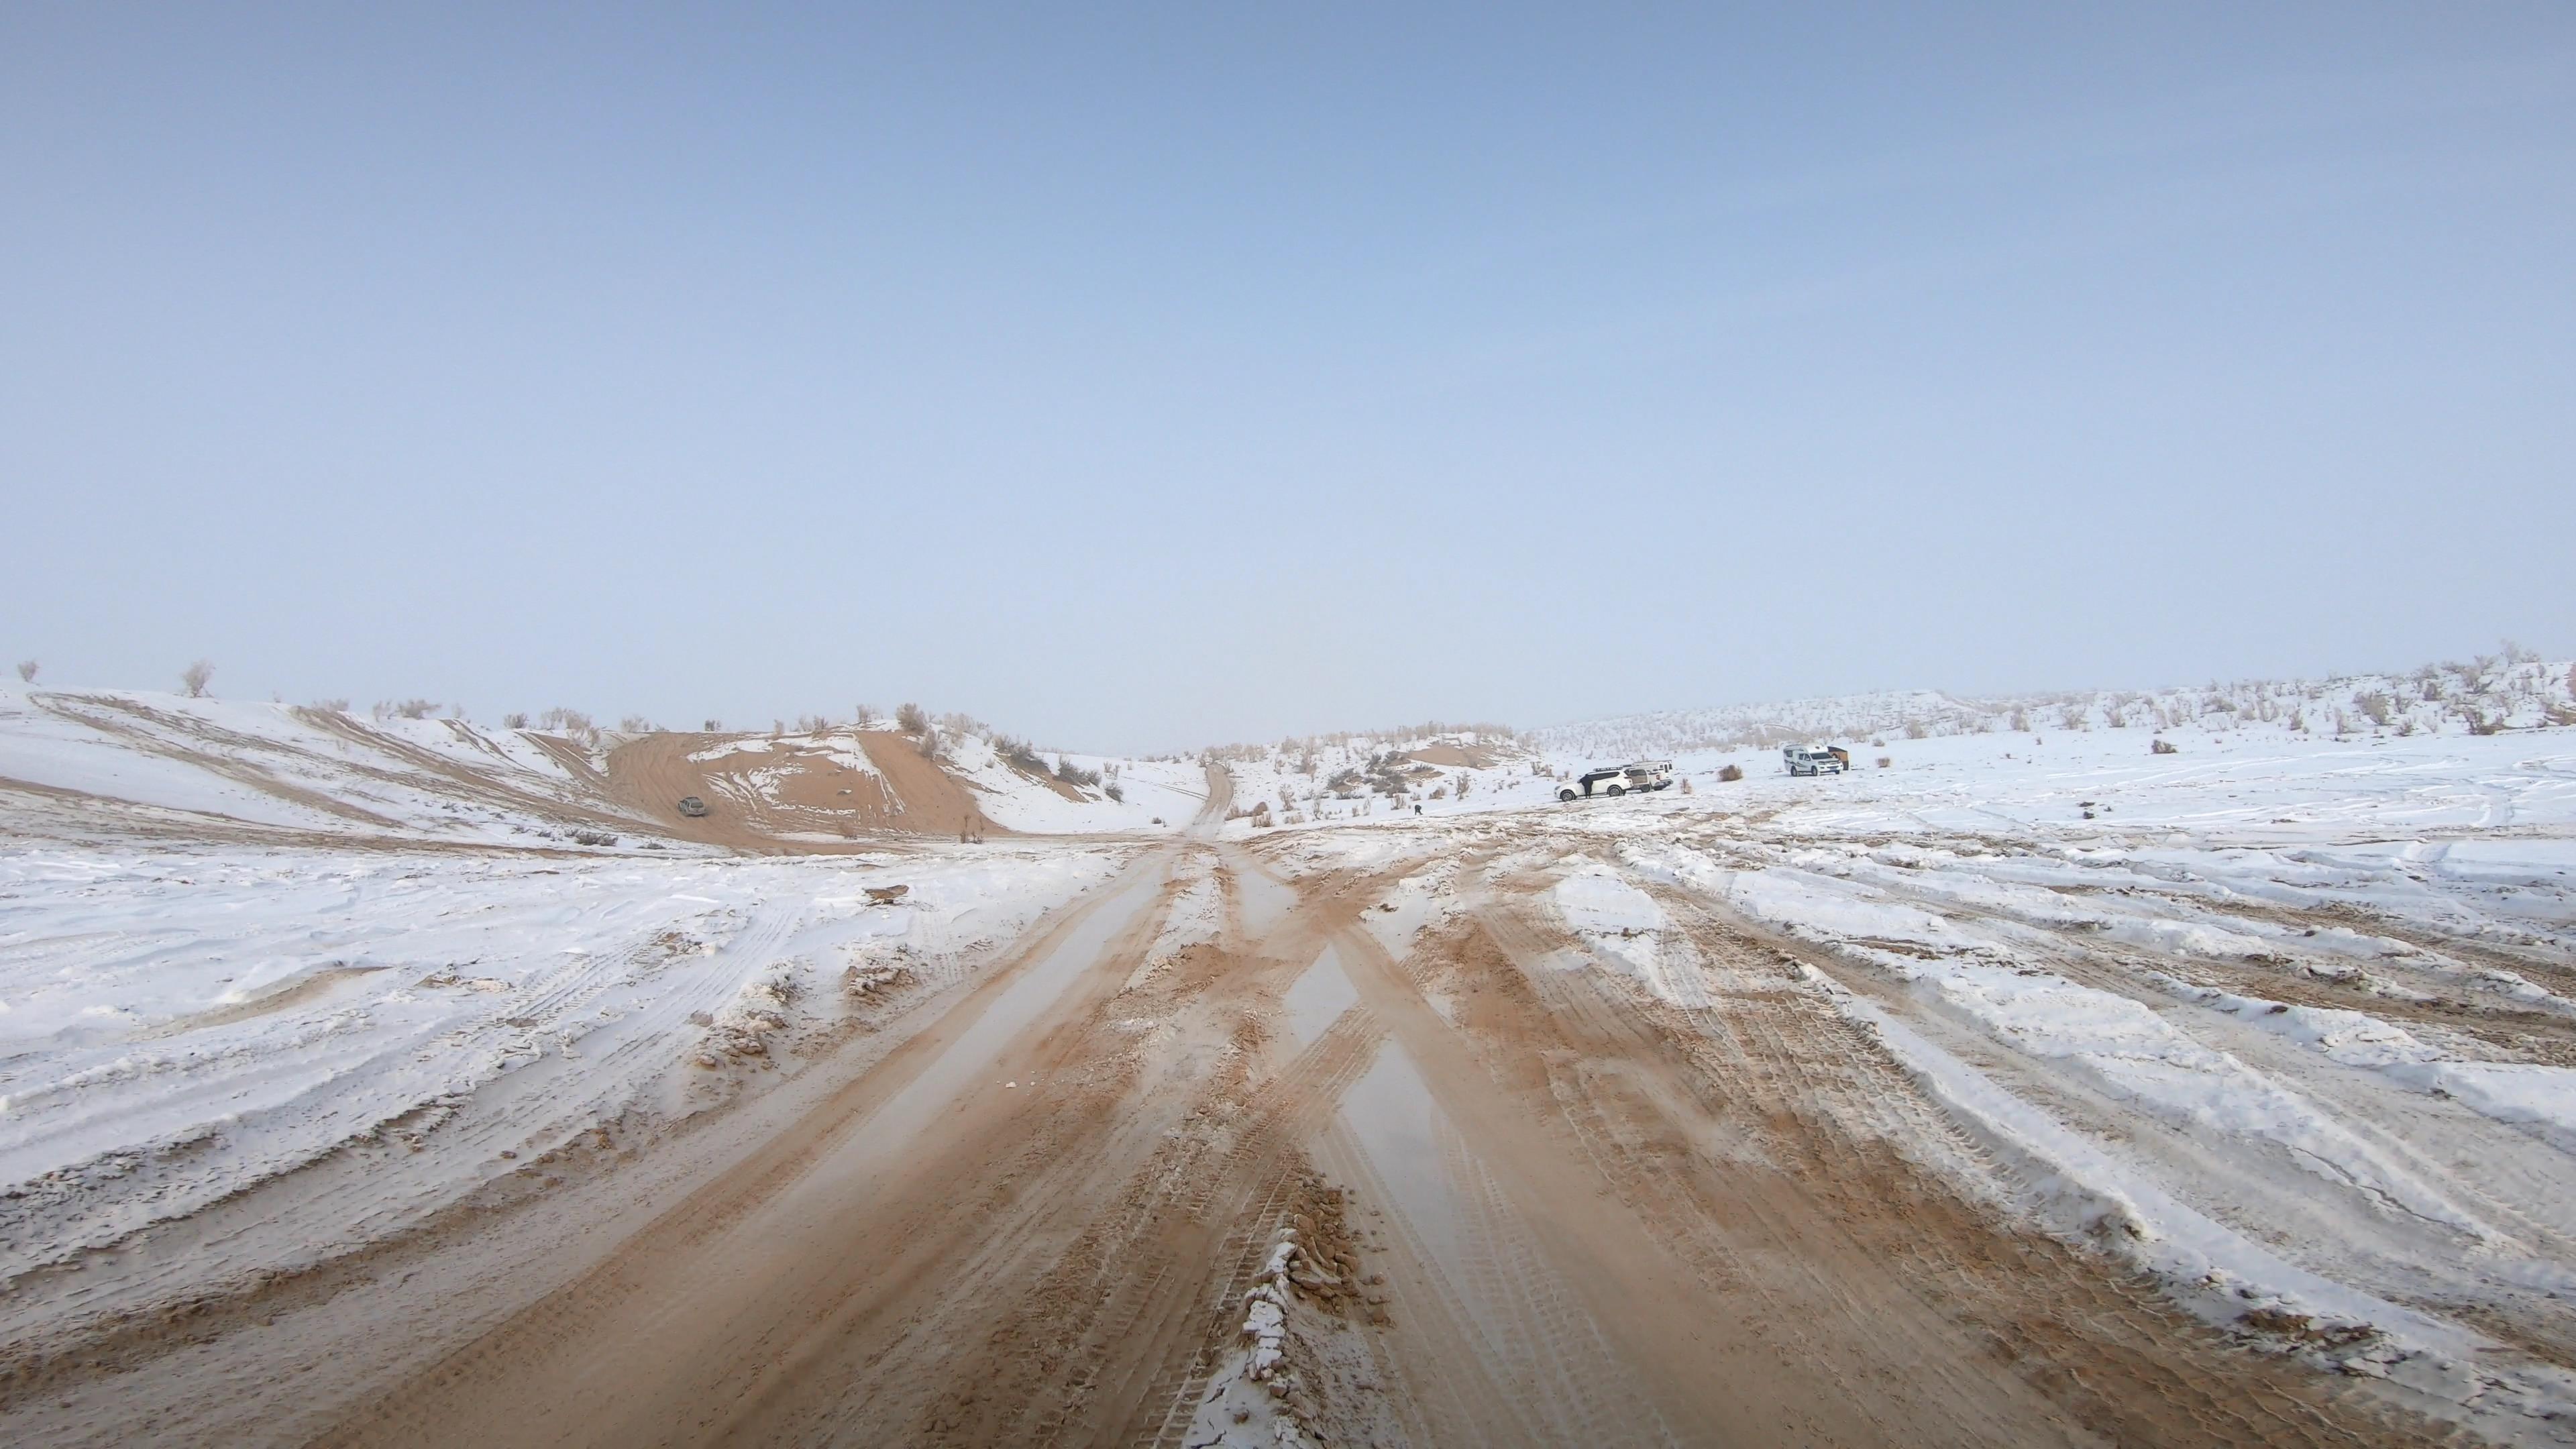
<point x="593" y="837"/>
<point x="866" y="715"/>
<point x="2161" y="747"/>
<point x="1730" y="772"/>
<point x="1114" y="792"/>
<point x="1020" y="754"/>
<point x="516" y="719"/>
<point x="2375" y="706"/>
<point x="2020" y="721"/>
<point x="912" y="719"/>
<point x="1885" y="760"/>
<point x="636" y="724"/>
<point x="27" y="671"/>
<point x="934" y="745"/>
<point x="572" y="724"/>
<point x="1073" y="774"/>
<point x="196" y="677"/>
<point x="330" y="706"/>
<point x="405" y="708"/>
<point x="811" y="724"/>
<point x="714" y="726"/>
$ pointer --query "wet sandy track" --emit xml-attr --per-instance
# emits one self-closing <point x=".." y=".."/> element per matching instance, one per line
<point x="1578" y="1214"/>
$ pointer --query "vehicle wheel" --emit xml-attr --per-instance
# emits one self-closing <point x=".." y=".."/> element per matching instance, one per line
<point x="1616" y="791"/>
<point x="1566" y="795"/>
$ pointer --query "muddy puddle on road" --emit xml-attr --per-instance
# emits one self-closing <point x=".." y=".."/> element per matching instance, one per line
<point x="1316" y="998"/>
<point x="1481" y="1310"/>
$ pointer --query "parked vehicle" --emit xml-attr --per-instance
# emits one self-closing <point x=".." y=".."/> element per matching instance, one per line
<point x="1813" y="760"/>
<point x="1618" y="780"/>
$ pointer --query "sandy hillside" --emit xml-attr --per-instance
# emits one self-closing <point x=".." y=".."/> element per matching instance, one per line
<point x="124" y="763"/>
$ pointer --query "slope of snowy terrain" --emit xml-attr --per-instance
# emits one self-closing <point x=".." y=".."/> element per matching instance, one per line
<point x="125" y="761"/>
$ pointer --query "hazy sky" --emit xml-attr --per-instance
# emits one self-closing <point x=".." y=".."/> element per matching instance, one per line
<point x="1201" y="372"/>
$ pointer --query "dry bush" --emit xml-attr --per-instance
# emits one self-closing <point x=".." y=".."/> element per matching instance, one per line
<point x="516" y="719"/>
<point x="405" y="708"/>
<point x="27" y="671"/>
<point x="867" y="715"/>
<point x="1885" y="761"/>
<point x="572" y="724"/>
<point x="636" y="724"/>
<point x="714" y="726"/>
<point x="912" y="719"/>
<point x="1073" y="774"/>
<point x="330" y="706"/>
<point x="1730" y="772"/>
<point x="2375" y="707"/>
<point x="2162" y="747"/>
<point x="195" y="677"/>
<point x="811" y="724"/>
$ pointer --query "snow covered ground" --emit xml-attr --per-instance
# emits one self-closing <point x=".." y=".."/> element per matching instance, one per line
<point x="180" y="1024"/>
<point x="2287" y="1022"/>
<point x="2283" y="1019"/>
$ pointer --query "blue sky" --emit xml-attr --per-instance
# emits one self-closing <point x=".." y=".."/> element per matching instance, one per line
<point x="1194" y="373"/>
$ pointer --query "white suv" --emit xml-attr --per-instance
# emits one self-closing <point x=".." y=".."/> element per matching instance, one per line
<point x="1811" y="760"/>
<point x="1621" y="780"/>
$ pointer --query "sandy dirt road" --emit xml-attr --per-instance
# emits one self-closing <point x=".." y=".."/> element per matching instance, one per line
<point x="1528" y="1204"/>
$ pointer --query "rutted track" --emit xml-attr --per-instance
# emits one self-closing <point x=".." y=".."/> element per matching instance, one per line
<point x="1588" y="1215"/>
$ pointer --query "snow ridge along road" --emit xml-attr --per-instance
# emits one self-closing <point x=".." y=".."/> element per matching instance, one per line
<point x="1824" y="1113"/>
